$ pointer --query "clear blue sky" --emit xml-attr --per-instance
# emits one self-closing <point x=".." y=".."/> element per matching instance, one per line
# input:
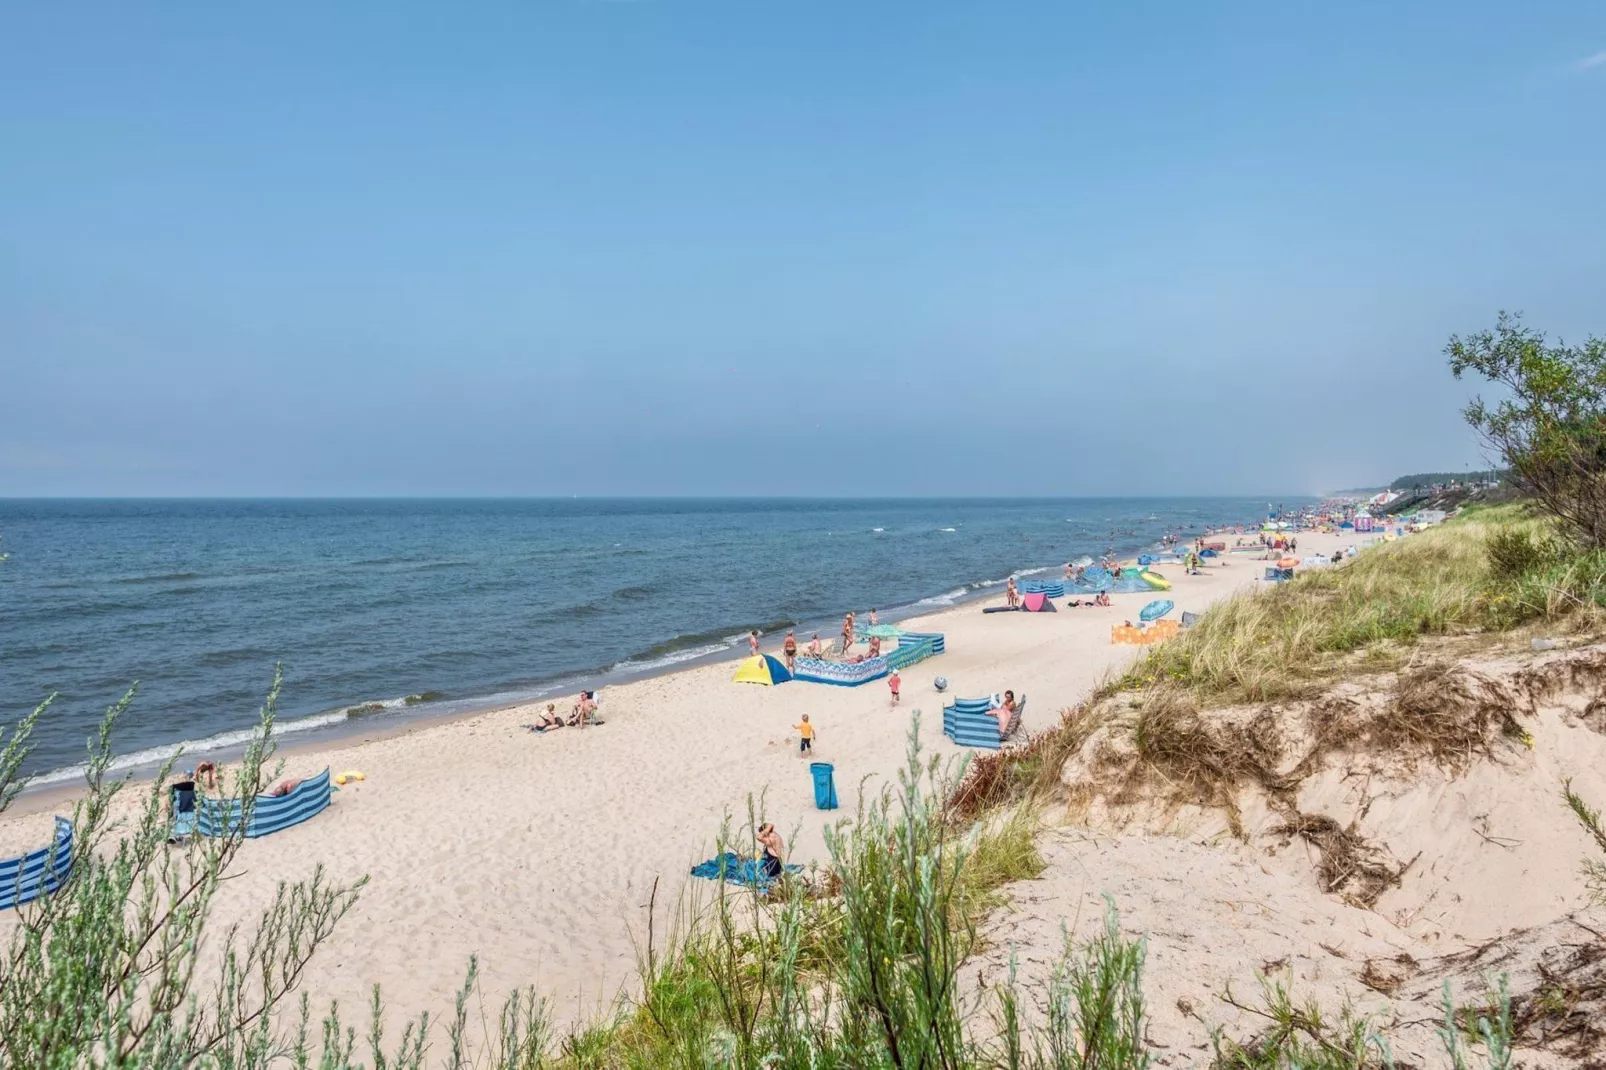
<point x="671" y="246"/>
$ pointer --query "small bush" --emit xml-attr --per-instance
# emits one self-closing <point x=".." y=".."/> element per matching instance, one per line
<point x="1513" y="552"/>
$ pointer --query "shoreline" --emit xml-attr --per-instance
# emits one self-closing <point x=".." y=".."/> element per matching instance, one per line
<point x="354" y="723"/>
<point x="538" y="853"/>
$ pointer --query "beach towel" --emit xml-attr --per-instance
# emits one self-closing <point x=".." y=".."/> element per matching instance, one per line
<point x="734" y="869"/>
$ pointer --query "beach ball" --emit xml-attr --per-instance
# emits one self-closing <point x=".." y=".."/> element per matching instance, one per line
<point x="940" y="683"/>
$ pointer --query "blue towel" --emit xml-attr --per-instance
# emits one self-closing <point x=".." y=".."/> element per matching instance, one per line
<point x="736" y="870"/>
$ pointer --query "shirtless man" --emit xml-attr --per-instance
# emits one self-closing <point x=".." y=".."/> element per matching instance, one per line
<point x="814" y="646"/>
<point x="770" y="850"/>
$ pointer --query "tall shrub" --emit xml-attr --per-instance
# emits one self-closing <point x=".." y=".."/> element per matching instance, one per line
<point x="1550" y="429"/>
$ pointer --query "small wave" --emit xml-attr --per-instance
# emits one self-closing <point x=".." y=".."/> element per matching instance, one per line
<point x="1082" y="562"/>
<point x="878" y="529"/>
<point x="156" y="755"/>
<point x="947" y="529"/>
<point x="576" y="611"/>
<point x="1034" y="571"/>
<point x="637" y="592"/>
<point x="947" y="599"/>
<point x="166" y="577"/>
<point x="676" y="658"/>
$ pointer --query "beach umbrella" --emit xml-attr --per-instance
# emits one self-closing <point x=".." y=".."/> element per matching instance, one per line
<point x="880" y="631"/>
<point x="1156" y="609"/>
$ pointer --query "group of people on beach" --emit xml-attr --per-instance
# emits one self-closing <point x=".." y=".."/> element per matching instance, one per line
<point x="580" y="716"/>
<point x="790" y="648"/>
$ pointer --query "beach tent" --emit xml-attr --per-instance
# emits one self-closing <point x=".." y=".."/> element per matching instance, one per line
<point x="1037" y="602"/>
<point x="763" y="669"/>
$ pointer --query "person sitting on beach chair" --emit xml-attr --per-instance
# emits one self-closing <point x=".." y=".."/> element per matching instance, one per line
<point x="584" y="710"/>
<point x="1005" y="712"/>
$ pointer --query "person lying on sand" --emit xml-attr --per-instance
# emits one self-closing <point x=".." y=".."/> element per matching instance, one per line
<point x="284" y="787"/>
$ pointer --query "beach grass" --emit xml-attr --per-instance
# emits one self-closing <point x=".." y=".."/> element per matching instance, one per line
<point x="1493" y="570"/>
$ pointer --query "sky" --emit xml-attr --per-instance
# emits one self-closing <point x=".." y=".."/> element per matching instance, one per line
<point x="732" y="248"/>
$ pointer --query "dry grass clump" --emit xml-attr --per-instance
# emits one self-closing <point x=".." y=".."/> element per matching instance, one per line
<point x="1351" y="866"/>
<point x="1286" y="641"/>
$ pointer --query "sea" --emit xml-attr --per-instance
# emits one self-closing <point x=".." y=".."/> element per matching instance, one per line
<point x="383" y="610"/>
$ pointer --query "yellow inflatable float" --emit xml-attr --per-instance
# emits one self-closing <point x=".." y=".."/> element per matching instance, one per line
<point x="1155" y="580"/>
<point x="348" y="776"/>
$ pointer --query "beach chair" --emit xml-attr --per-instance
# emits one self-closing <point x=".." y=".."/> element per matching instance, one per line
<point x="969" y="722"/>
<point x="181" y="798"/>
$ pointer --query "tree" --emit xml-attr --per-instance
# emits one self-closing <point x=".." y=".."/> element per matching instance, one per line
<point x="1551" y="430"/>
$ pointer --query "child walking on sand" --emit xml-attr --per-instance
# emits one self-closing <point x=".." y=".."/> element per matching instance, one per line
<point x="894" y="682"/>
<point x="805" y="733"/>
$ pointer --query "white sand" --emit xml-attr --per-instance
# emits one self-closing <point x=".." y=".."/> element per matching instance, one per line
<point x="538" y="853"/>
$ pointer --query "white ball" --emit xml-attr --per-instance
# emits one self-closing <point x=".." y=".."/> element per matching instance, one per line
<point x="940" y="683"/>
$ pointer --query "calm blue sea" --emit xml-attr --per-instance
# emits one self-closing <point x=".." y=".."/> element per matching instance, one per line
<point x="383" y="609"/>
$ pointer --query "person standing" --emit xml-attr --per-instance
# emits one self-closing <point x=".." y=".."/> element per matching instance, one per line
<point x="772" y="847"/>
<point x="1011" y="593"/>
<point x="752" y="641"/>
<point x="894" y="684"/>
<point x="805" y="734"/>
<point x="789" y="649"/>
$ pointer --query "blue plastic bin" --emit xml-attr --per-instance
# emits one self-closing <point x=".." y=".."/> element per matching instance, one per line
<point x="824" y="785"/>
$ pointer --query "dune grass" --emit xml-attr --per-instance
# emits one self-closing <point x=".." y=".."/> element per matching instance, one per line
<point x="1493" y="570"/>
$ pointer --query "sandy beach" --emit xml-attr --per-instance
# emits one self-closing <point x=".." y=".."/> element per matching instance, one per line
<point x="538" y="853"/>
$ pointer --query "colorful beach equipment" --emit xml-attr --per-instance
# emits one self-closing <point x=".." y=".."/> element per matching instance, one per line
<point x="269" y="813"/>
<point x="1154" y="580"/>
<point x="824" y="785"/>
<point x="1131" y="635"/>
<point x="1156" y="609"/>
<point x="1037" y="602"/>
<point x="969" y="722"/>
<point x="27" y="877"/>
<point x="763" y="669"/>
<point x="912" y="647"/>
